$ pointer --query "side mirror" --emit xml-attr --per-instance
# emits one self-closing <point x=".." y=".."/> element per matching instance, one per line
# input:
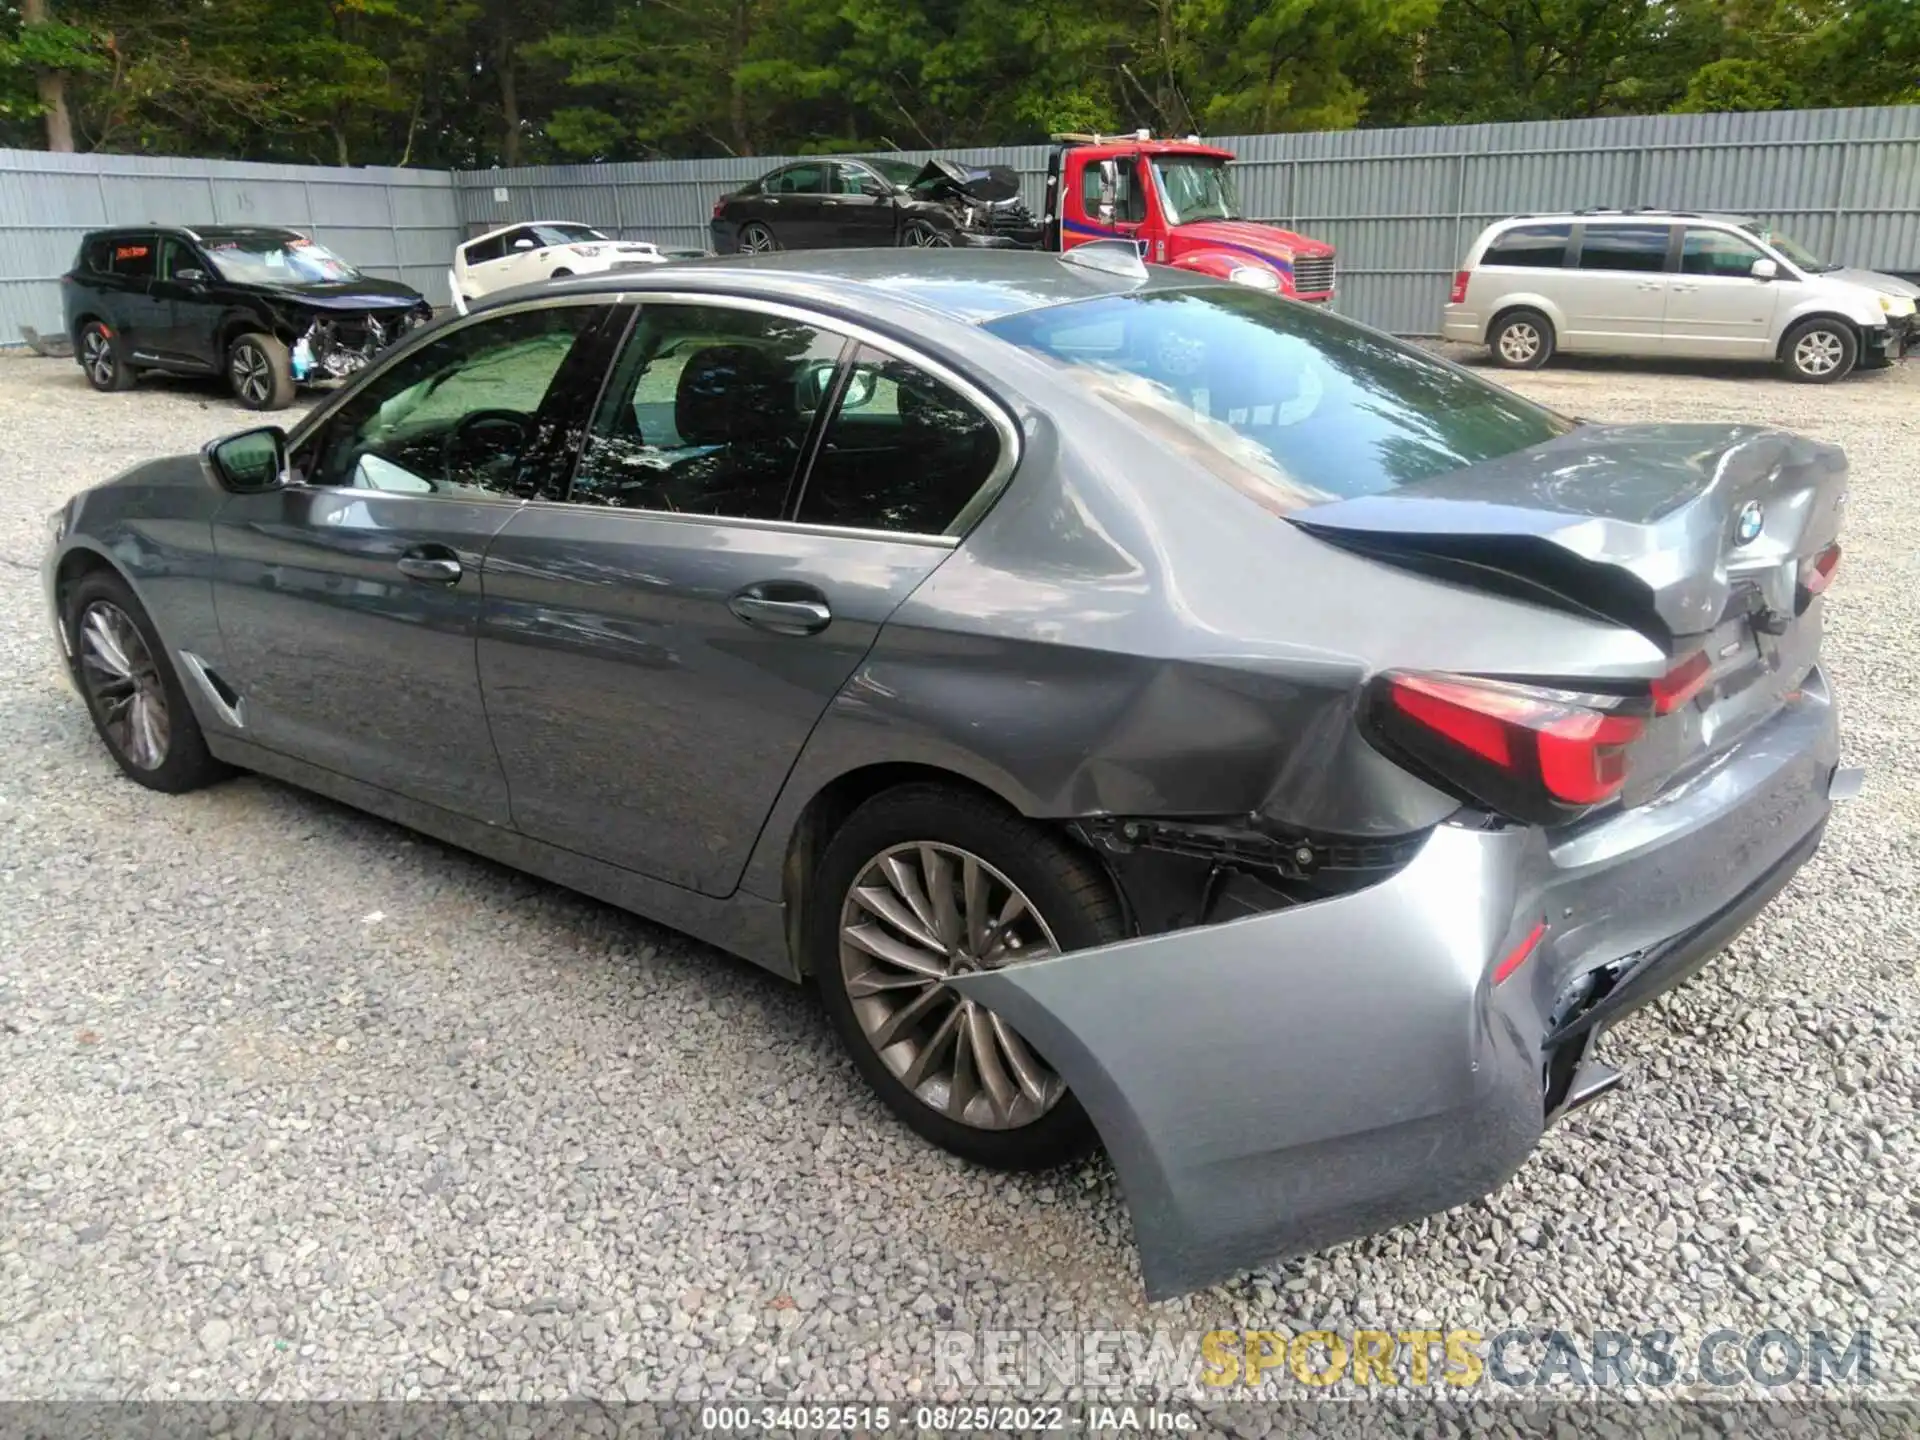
<point x="879" y="189"/>
<point x="192" y="275"/>
<point x="1765" y="269"/>
<point x="1109" y="189"/>
<point x="523" y="243"/>
<point x="860" y="387"/>
<point x="252" y="461"/>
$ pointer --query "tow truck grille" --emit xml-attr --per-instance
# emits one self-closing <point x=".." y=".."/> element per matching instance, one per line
<point x="1313" y="275"/>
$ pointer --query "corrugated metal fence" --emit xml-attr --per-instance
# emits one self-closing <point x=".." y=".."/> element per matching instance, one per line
<point x="1401" y="205"/>
<point x="402" y="224"/>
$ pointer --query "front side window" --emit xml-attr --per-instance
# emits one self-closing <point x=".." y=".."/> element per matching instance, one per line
<point x="1531" y="247"/>
<point x="1625" y="247"/>
<point x="569" y="235"/>
<point x="1129" y="201"/>
<point x="1289" y="404"/>
<point x="295" y="260"/>
<point x="463" y="416"/>
<point x="1795" y="252"/>
<point x="1715" y="252"/>
<point x="707" y="413"/>
<point x="1196" y="187"/>
<point x="175" y="257"/>
<point x="903" y="452"/>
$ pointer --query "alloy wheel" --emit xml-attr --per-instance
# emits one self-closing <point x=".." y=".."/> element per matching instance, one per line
<point x="124" y="685"/>
<point x="1519" y="342"/>
<point x="926" y="237"/>
<point x="1819" y="352"/>
<point x="757" y="240"/>
<point x="917" y="915"/>
<point x="252" y="374"/>
<point x="96" y="354"/>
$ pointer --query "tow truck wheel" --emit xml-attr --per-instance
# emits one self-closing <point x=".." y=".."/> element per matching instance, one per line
<point x="260" y="372"/>
<point x="921" y="235"/>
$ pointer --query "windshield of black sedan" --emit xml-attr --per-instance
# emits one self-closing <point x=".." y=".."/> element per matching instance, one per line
<point x="1195" y="187"/>
<point x="895" y="172"/>
<point x="277" y="262"/>
<point x="1288" y="403"/>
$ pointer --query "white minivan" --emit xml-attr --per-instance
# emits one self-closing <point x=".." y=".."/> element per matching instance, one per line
<point x="1657" y="282"/>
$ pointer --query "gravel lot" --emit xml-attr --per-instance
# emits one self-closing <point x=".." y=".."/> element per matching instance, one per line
<point x="296" y="1104"/>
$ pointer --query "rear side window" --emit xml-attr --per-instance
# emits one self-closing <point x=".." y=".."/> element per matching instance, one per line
<point x="132" y="256"/>
<point x="491" y="248"/>
<point x="96" y="257"/>
<point x="1625" y="247"/>
<point x="904" y="452"/>
<point x="807" y="179"/>
<point x="1288" y="404"/>
<point x="1534" y="247"/>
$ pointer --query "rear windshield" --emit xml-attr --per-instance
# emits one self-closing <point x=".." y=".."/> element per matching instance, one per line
<point x="1287" y="402"/>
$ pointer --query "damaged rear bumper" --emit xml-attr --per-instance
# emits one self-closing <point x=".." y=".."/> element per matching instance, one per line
<point x="1278" y="1084"/>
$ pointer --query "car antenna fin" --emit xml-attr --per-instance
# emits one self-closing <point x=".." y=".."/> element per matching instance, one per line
<point x="1110" y="257"/>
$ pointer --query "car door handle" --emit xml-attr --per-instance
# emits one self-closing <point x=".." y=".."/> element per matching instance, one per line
<point x="430" y="564"/>
<point x="784" y="608"/>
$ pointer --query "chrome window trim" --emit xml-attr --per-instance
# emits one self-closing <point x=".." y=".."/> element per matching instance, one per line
<point x="981" y="399"/>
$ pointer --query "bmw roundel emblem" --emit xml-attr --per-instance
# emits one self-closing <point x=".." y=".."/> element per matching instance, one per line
<point x="1753" y="516"/>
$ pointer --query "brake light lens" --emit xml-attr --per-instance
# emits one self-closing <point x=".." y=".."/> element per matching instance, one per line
<point x="1819" y="575"/>
<point x="1536" y="755"/>
<point x="1460" y="279"/>
<point x="1681" y="683"/>
<point x="720" y="207"/>
<point x="1517" y="956"/>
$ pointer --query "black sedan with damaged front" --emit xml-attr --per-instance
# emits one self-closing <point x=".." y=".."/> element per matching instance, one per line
<point x="268" y="309"/>
<point x="847" y="202"/>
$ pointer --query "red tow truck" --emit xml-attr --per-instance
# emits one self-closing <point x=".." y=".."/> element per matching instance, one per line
<point x="1176" y="201"/>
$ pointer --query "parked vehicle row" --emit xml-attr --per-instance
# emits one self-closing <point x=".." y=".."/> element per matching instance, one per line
<point x="908" y="622"/>
<point x="1173" y="200"/>
<point x="1657" y="282"/>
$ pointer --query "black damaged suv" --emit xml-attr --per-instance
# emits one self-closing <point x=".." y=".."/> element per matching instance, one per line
<point x="267" y="308"/>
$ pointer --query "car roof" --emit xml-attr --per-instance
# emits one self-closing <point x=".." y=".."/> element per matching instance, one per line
<point x="1643" y="214"/>
<point x="522" y="225"/>
<point x="968" y="285"/>
<point x="205" y="232"/>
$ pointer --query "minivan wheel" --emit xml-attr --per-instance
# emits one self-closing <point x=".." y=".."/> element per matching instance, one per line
<point x="1818" y="352"/>
<point x="1522" y="340"/>
<point x="923" y="883"/>
<point x="100" y="359"/>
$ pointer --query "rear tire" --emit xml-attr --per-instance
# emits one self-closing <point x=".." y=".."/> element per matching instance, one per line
<point x="260" y="372"/>
<point x="133" y="694"/>
<point x="1819" y="352"/>
<point x="979" y="1095"/>
<point x="756" y="239"/>
<point x="102" y="359"/>
<point x="1521" y="340"/>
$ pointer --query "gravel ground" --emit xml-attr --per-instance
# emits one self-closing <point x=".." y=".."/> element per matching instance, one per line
<point x="296" y="1104"/>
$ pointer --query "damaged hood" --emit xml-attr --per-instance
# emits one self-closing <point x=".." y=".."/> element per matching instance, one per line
<point x="983" y="184"/>
<point x="368" y="292"/>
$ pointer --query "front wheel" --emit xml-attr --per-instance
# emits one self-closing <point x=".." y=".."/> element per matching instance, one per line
<point x="921" y="235"/>
<point x="1818" y="352"/>
<point x="1522" y="340"/>
<point x="923" y="883"/>
<point x="132" y="691"/>
<point x="260" y="372"/>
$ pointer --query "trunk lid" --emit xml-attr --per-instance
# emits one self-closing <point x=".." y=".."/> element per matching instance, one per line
<point x="1701" y="537"/>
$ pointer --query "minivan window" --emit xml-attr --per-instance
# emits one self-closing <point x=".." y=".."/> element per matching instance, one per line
<point x="1792" y="249"/>
<point x="1715" y="252"/>
<point x="1625" y="247"/>
<point x="1535" y="247"/>
<point x="1290" y="405"/>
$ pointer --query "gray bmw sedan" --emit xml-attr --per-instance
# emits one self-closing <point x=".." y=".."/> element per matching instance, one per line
<point x="1151" y="711"/>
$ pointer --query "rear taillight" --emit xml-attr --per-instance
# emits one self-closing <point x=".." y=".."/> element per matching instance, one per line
<point x="1681" y="683"/>
<point x="1540" y="756"/>
<point x="1818" y="574"/>
<point x="720" y="207"/>
<point x="1460" y="279"/>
